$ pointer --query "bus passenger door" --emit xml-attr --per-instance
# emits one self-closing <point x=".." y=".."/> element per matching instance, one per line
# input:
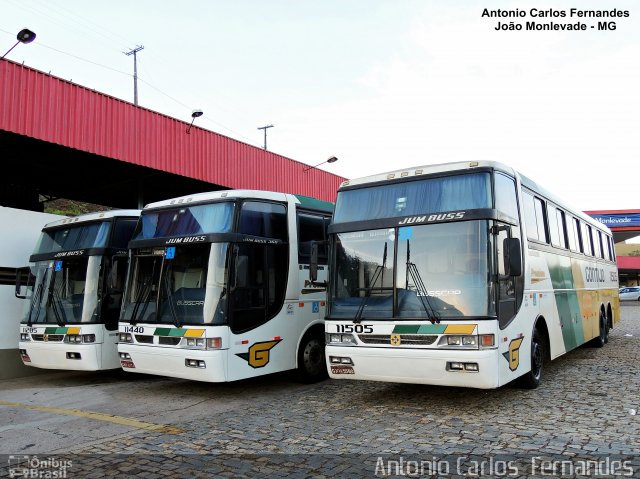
<point x="508" y="282"/>
<point x="258" y="285"/>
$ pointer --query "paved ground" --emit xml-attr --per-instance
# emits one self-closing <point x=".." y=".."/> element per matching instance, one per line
<point x="119" y="424"/>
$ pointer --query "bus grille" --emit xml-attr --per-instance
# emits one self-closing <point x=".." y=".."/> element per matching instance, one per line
<point x="54" y="338"/>
<point x="143" y="338"/>
<point x="168" y="340"/>
<point x="405" y="339"/>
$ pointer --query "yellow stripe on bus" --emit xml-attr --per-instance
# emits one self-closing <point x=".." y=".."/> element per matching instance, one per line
<point x="73" y="330"/>
<point x="194" y="333"/>
<point x="460" y="329"/>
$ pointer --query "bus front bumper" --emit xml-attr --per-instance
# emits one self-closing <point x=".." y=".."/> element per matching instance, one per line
<point x="74" y="357"/>
<point x="479" y="368"/>
<point x="198" y="365"/>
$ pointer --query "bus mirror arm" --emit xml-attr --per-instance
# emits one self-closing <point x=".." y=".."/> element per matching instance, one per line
<point x="313" y="260"/>
<point x="513" y="256"/>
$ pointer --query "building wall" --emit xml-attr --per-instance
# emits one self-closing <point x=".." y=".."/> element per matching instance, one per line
<point x="21" y="229"/>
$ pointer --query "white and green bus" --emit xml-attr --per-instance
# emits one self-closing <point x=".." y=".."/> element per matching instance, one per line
<point x="218" y="288"/>
<point x="74" y="291"/>
<point x="462" y="274"/>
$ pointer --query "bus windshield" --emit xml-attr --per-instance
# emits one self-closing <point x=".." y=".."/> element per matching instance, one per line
<point x="185" y="220"/>
<point x="66" y="291"/>
<point x="183" y="284"/>
<point x="414" y="272"/>
<point x="424" y="196"/>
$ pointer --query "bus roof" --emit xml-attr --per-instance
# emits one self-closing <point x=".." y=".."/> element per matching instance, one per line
<point x="88" y="217"/>
<point x="306" y="201"/>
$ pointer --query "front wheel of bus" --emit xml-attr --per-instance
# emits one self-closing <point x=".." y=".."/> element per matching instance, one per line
<point x="311" y="360"/>
<point x="533" y="378"/>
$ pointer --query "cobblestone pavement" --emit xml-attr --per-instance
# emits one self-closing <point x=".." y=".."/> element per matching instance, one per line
<point x="584" y="414"/>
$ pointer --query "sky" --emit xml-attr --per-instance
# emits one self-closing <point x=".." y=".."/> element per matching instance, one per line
<point x="380" y="84"/>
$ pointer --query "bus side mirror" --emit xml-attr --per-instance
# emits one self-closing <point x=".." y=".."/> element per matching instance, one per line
<point x="513" y="257"/>
<point x="21" y="275"/>
<point x="313" y="262"/>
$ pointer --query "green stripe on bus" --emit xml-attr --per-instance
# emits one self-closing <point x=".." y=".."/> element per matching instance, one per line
<point x="55" y="331"/>
<point x="176" y="333"/>
<point x="419" y="329"/>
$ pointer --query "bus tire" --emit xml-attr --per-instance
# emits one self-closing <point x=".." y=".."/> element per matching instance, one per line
<point x="603" y="336"/>
<point x="533" y="378"/>
<point x="312" y="366"/>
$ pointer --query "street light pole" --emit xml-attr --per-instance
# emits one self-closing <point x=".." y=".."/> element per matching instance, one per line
<point x="333" y="159"/>
<point x="24" y="36"/>
<point x="265" y="133"/>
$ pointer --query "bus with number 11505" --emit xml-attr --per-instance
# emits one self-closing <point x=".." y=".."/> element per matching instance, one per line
<point x="462" y="274"/>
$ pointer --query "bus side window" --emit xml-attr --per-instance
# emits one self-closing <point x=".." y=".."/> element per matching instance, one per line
<point x="312" y="228"/>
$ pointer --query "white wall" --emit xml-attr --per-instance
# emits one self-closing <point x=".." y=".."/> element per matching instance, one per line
<point x="19" y="232"/>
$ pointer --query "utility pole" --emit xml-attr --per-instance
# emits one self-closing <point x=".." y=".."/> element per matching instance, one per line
<point x="265" y="133"/>
<point x="135" y="71"/>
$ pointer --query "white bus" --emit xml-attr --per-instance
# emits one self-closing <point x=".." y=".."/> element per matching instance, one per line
<point x="462" y="274"/>
<point x="218" y="289"/>
<point x="74" y="289"/>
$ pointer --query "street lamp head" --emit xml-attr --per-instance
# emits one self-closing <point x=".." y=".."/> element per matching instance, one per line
<point x="194" y="114"/>
<point x="26" y="36"/>
<point x="333" y="159"/>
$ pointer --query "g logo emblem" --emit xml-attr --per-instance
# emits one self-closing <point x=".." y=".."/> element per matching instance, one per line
<point x="513" y="355"/>
<point x="395" y="340"/>
<point x="258" y="354"/>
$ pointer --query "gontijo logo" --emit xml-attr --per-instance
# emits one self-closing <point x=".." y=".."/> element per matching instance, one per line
<point x="258" y="354"/>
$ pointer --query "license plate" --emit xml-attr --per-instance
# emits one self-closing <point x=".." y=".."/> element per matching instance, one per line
<point x="342" y="370"/>
<point x="128" y="364"/>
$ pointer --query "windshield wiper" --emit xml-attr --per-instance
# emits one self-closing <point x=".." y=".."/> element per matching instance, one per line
<point x="37" y="297"/>
<point x="143" y="297"/>
<point x="53" y="302"/>
<point x="377" y="273"/>
<point x="172" y="308"/>
<point x="421" y="289"/>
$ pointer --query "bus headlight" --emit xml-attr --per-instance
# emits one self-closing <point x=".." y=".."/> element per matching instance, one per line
<point x="467" y="341"/>
<point x="125" y="338"/>
<point x="25" y="337"/>
<point x="201" y="343"/>
<point x="341" y="339"/>
<point x="88" y="338"/>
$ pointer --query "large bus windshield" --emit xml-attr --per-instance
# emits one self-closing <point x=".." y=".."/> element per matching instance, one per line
<point x="419" y="197"/>
<point x="413" y="272"/>
<point x="185" y="285"/>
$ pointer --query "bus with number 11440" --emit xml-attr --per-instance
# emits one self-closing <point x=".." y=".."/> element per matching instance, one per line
<point x="462" y="274"/>
<point x="218" y="287"/>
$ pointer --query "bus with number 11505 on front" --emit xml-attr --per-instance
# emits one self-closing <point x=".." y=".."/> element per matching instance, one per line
<point x="462" y="274"/>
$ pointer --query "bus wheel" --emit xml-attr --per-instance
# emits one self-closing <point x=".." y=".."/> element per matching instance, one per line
<point x="312" y="366"/>
<point x="603" y="338"/>
<point x="533" y="378"/>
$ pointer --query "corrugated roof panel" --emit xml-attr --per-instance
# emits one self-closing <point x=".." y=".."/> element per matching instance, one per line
<point x="48" y="108"/>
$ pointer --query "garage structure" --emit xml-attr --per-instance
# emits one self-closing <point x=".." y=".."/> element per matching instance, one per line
<point x="62" y="140"/>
